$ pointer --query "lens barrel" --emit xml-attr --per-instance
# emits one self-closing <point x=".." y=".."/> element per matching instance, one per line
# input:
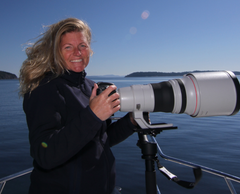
<point x="196" y="94"/>
<point x="207" y="94"/>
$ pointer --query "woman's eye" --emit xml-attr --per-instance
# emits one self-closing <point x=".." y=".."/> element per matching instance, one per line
<point x="83" y="46"/>
<point x="67" y="47"/>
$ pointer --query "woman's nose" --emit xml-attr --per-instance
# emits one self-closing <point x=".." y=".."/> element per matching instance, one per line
<point x="77" y="52"/>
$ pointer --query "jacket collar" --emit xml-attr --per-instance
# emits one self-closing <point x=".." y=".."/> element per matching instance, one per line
<point x="74" y="77"/>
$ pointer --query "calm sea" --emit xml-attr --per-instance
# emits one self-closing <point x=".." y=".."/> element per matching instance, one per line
<point x="212" y="142"/>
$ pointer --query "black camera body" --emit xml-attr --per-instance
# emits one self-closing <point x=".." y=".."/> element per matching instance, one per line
<point x="104" y="85"/>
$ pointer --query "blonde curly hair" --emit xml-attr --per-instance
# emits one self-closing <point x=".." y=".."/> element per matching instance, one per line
<point x="45" y="54"/>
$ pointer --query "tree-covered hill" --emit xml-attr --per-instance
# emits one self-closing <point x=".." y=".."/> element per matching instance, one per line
<point x="7" y="75"/>
<point x="156" y="74"/>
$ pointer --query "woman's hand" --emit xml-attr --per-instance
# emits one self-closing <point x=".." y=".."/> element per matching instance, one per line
<point x="104" y="105"/>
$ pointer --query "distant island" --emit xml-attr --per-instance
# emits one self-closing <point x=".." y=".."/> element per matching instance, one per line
<point x="7" y="75"/>
<point x="157" y="74"/>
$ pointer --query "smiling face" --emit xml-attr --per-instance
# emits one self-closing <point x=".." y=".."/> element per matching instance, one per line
<point x="75" y="50"/>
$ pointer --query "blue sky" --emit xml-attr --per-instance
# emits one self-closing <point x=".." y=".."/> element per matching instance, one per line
<point x="173" y="35"/>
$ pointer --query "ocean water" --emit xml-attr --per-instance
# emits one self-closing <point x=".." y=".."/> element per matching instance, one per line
<point x="213" y="142"/>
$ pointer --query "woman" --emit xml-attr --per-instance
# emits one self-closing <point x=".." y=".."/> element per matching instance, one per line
<point x="69" y="135"/>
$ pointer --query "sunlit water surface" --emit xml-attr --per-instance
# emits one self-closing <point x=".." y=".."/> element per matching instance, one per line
<point x="212" y="142"/>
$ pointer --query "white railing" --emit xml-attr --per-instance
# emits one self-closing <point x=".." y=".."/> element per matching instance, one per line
<point x="4" y="180"/>
<point x="228" y="178"/>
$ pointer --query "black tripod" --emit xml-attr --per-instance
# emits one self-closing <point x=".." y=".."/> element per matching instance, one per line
<point x="149" y="154"/>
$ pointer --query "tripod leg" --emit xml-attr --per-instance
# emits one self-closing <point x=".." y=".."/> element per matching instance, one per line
<point x="149" y="151"/>
<point x="150" y="177"/>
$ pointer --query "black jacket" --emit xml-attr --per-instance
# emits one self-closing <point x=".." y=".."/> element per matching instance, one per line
<point x="70" y="145"/>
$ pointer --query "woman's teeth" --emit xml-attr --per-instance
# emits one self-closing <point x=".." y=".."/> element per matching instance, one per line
<point x="76" y="61"/>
